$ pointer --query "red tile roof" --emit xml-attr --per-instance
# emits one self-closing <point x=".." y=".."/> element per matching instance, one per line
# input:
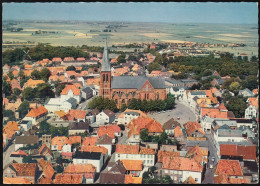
<point x="73" y="88"/>
<point x="75" y="139"/>
<point x="89" y="141"/>
<point x="60" y="141"/>
<point x="192" y="127"/>
<point x="109" y="130"/>
<point x="247" y="152"/>
<point x="127" y="149"/>
<point x="47" y="168"/>
<point x="76" y="114"/>
<point x="146" y="151"/>
<point x="20" y="152"/>
<point x="37" y="112"/>
<point x="25" y="169"/>
<point x="69" y="59"/>
<point x="68" y="179"/>
<point x="129" y="179"/>
<point x="162" y="154"/>
<point x="80" y="168"/>
<point x="180" y="163"/>
<point x="94" y="149"/>
<point x="133" y="165"/>
<point x="16" y="181"/>
<point x="230" y="167"/>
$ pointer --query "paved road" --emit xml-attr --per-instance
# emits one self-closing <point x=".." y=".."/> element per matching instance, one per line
<point x="84" y="104"/>
<point x="6" y="154"/>
<point x="182" y="111"/>
<point x="209" y="174"/>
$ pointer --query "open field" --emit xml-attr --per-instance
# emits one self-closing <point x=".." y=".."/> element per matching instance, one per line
<point x="92" y="33"/>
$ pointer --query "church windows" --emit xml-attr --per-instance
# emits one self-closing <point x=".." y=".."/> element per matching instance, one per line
<point x="104" y="78"/>
<point x="147" y="96"/>
<point x="116" y="101"/>
<point x="123" y="101"/>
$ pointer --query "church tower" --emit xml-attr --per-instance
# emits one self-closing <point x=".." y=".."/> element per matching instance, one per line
<point x="105" y="75"/>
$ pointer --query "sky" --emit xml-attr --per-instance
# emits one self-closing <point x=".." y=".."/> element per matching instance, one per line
<point x="169" y="12"/>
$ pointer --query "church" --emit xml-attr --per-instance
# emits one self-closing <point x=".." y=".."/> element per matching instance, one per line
<point x="124" y="88"/>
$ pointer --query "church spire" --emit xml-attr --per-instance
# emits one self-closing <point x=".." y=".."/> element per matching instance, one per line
<point x="105" y="66"/>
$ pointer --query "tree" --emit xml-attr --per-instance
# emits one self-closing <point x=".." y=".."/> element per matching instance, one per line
<point x="237" y="105"/>
<point x="44" y="90"/>
<point x="23" y="109"/>
<point x="234" y="87"/>
<point x="35" y="74"/>
<point x="132" y="58"/>
<point x="59" y="169"/>
<point x="11" y="76"/>
<point x="163" y="137"/>
<point x="122" y="127"/>
<point x="123" y="107"/>
<point x="44" y="127"/>
<point x="121" y="59"/>
<point x="17" y="91"/>
<point x="144" y="135"/>
<point x="71" y="68"/>
<point x="72" y="77"/>
<point x="59" y="89"/>
<point x="28" y="159"/>
<point x="45" y="74"/>
<point x="253" y="59"/>
<point x="9" y="114"/>
<point x="28" y="93"/>
<point x="167" y="180"/>
<point x="7" y="88"/>
<point x="153" y="66"/>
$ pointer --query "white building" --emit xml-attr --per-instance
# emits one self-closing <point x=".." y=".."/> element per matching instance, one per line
<point x="107" y="115"/>
<point x="251" y="112"/>
<point x="61" y="144"/>
<point x="94" y="158"/>
<point x="37" y="115"/>
<point x="26" y="125"/>
<point x="56" y="104"/>
<point x="70" y="91"/>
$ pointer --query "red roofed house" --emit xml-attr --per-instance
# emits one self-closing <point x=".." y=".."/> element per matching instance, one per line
<point x="180" y="168"/>
<point x="80" y="59"/>
<point x="66" y="59"/>
<point x="68" y="179"/>
<point x="193" y="129"/>
<point x="107" y="116"/>
<point x="71" y="91"/>
<point x="248" y="153"/>
<point x="133" y="152"/>
<point x="61" y="144"/>
<point x="46" y="152"/>
<point x="37" y="115"/>
<point x="46" y="169"/>
<point x="110" y="130"/>
<point x="56" y="59"/>
<point x="87" y="170"/>
<point x="76" y="115"/>
<point x="136" y="125"/>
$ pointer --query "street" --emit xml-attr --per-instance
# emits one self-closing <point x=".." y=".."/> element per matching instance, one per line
<point x="6" y="154"/>
<point x="82" y="106"/>
<point x="182" y="111"/>
<point x="209" y="174"/>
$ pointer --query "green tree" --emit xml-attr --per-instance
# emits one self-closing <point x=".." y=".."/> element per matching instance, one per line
<point x="132" y="58"/>
<point x="121" y="59"/>
<point x="17" y="91"/>
<point x="153" y="66"/>
<point x="144" y="135"/>
<point x="23" y="109"/>
<point x="45" y="74"/>
<point x="11" y="76"/>
<point x="234" y="87"/>
<point x="44" y="90"/>
<point x="28" y="93"/>
<point x="72" y="77"/>
<point x="253" y="59"/>
<point x="170" y="102"/>
<point x="71" y="68"/>
<point x="59" y="89"/>
<point x="237" y="105"/>
<point x="59" y="169"/>
<point x="44" y="127"/>
<point x="163" y="137"/>
<point x="7" y="88"/>
<point x="35" y="74"/>
<point x="28" y="159"/>
<point x="9" y="114"/>
<point x="123" y="107"/>
<point x="166" y="180"/>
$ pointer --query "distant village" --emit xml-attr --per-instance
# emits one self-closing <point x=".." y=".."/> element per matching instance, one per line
<point x="59" y="139"/>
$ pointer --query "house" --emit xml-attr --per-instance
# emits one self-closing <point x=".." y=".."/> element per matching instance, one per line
<point x="16" y="181"/>
<point x="180" y="168"/>
<point x="61" y="144"/>
<point x="89" y="141"/>
<point x="169" y="126"/>
<point x="206" y="123"/>
<point x="133" y="152"/>
<point x="178" y="92"/>
<point x="113" y="174"/>
<point x="198" y="154"/>
<point x="231" y="169"/>
<point x="193" y="129"/>
<point x="71" y="91"/>
<point x="87" y="92"/>
<point x="243" y="122"/>
<point x="251" y="112"/>
<point x="127" y="116"/>
<point x="190" y="180"/>
<point x="5" y="140"/>
<point x="229" y="151"/>
<point x="33" y="83"/>
<point x="23" y="141"/>
<point x="105" y="141"/>
<point x="94" y="158"/>
<point x="55" y="104"/>
<point x="87" y="170"/>
<point x="246" y="93"/>
<point x="106" y="115"/>
<point x="37" y="115"/>
<point x="26" y="124"/>
<point x="216" y="113"/>
<point x="46" y="152"/>
<point x="162" y="154"/>
<point x="18" y="156"/>
<point x="46" y="139"/>
<point x="68" y="179"/>
<point x="110" y="130"/>
<point x="13" y="106"/>
<point x="45" y="169"/>
<point x="21" y="170"/>
<point x="247" y="132"/>
<point x="136" y="125"/>
<point x="76" y="115"/>
<point x="56" y="59"/>
<point x="11" y="129"/>
<point x="15" y="84"/>
<point x="133" y="167"/>
<point x="91" y="116"/>
<point x="78" y="128"/>
<point x="179" y="133"/>
<point x="101" y="149"/>
<point x="6" y="69"/>
<point x="129" y="179"/>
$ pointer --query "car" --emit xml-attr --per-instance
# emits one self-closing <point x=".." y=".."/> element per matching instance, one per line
<point x="178" y="118"/>
<point x="213" y="159"/>
<point x="211" y="166"/>
<point x="163" y="111"/>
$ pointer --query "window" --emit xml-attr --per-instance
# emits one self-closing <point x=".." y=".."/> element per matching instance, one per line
<point x="118" y="155"/>
<point x="196" y="179"/>
<point x="127" y="156"/>
<point x="144" y="161"/>
<point x="166" y="171"/>
<point x="171" y="171"/>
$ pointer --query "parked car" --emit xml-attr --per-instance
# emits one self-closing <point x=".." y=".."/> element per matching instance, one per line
<point x="211" y="166"/>
<point x="213" y="159"/>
